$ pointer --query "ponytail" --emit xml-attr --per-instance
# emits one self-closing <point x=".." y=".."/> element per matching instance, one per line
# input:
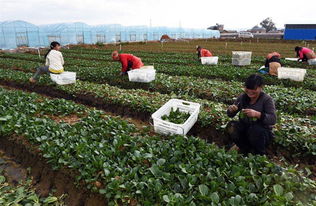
<point x="298" y="49"/>
<point x="52" y="46"/>
<point x="198" y="49"/>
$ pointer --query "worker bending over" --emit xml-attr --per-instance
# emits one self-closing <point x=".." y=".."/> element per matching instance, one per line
<point x="128" y="61"/>
<point x="304" y="54"/>
<point x="203" y="52"/>
<point x="273" y="63"/>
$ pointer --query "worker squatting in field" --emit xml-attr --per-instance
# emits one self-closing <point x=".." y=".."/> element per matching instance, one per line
<point x="304" y="54"/>
<point x="252" y="133"/>
<point x="54" y="62"/>
<point x="272" y="64"/>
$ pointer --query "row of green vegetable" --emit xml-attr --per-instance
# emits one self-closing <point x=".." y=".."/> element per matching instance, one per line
<point x="222" y="71"/>
<point x="129" y="167"/>
<point x="171" y="58"/>
<point x="290" y="100"/>
<point x="295" y="134"/>
<point x="182" y="59"/>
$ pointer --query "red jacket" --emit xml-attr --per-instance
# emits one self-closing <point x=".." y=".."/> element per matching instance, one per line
<point x="130" y="61"/>
<point x="308" y="53"/>
<point x="205" y="53"/>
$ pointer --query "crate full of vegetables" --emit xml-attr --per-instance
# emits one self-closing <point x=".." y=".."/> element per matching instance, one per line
<point x="176" y="117"/>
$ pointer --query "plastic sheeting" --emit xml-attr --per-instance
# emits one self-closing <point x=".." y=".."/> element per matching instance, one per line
<point x="14" y="34"/>
<point x="18" y="33"/>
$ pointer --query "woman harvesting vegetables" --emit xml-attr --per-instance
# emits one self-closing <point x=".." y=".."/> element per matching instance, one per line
<point x="128" y="61"/>
<point x="273" y="63"/>
<point x="257" y="115"/>
<point x="203" y="52"/>
<point x="304" y="53"/>
<point x="54" y="62"/>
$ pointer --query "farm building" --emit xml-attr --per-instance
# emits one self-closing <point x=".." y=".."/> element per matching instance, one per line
<point x="300" y="32"/>
<point x="257" y="29"/>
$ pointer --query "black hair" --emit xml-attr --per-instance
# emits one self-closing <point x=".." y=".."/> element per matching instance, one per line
<point x="297" y="49"/>
<point x="254" y="81"/>
<point x="198" y="49"/>
<point x="52" y="46"/>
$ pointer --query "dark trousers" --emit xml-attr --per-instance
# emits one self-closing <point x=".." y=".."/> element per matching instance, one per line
<point x="250" y="138"/>
<point x="272" y="59"/>
<point x="129" y="67"/>
<point x="199" y="55"/>
<point x="305" y="59"/>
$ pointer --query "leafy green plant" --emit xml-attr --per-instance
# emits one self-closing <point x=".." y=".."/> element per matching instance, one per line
<point x="213" y="114"/>
<point x="116" y="160"/>
<point x="291" y="100"/>
<point x="176" y="116"/>
<point x="24" y="194"/>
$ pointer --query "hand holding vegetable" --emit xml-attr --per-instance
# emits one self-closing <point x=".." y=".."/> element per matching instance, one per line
<point x="233" y="108"/>
<point x="252" y="113"/>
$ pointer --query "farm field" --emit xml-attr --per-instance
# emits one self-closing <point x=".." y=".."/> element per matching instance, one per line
<point x="96" y="137"/>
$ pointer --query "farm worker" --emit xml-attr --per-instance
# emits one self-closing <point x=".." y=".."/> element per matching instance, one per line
<point x="54" y="62"/>
<point x="273" y="63"/>
<point x="128" y="61"/>
<point x="252" y="133"/>
<point x="203" y="52"/>
<point x="304" y="53"/>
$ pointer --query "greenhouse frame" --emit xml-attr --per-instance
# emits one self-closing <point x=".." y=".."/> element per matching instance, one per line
<point x="15" y="34"/>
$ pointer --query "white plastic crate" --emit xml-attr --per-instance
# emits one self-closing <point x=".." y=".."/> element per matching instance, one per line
<point x="291" y="59"/>
<point x="241" y="54"/>
<point x="291" y="73"/>
<point x="147" y="67"/>
<point x="241" y="62"/>
<point x="169" y="128"/>
<point x="241" y="58"/>
<point x="64" y="78"/>
<point x="312" y="61"/>
<point x="144" y="74"/>
<point x="209" y="60"/>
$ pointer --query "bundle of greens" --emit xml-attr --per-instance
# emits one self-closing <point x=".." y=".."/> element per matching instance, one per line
<point x="176" y="116"/>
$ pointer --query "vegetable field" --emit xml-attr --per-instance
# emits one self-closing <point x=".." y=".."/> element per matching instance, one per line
<point x="93" y="144"/>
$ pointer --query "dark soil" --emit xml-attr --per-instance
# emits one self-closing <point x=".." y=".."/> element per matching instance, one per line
<point x="13" y="172"/>
<point x="45" y="179"/>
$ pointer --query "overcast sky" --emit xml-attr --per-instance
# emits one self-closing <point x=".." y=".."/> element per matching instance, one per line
<point x="234" y="14"/>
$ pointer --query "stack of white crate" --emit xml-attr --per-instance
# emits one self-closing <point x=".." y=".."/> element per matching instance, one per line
<point x="241" y="58"/>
